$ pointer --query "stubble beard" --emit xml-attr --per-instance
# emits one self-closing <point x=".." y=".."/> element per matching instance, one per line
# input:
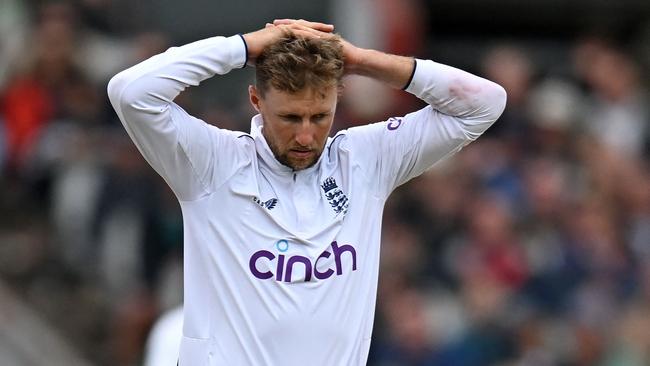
<point x="284" y="158"/>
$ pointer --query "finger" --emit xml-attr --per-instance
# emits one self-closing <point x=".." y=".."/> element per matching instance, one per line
<point x="305" y="31"/>
<point x="301" y="31"/>
<point x="323" y="27"/>
<point x="284" y="21"/>
<point x="310" y="32"/>
<point x="305" y="34"/>
<point x="309" y="29"/>
<point x="269" y="25"/>
<point x="314" y="25"/>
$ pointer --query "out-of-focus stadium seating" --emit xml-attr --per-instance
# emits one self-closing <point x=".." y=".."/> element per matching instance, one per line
<point x="530" y="247"/>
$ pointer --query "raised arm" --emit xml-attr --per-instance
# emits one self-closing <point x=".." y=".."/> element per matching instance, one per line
<point x="461" y="107"/>
<point x="154" y="83"/>
<point x="447" y="89"/>
<point x="181" y="148"/>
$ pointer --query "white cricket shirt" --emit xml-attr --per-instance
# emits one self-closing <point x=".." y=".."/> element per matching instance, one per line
<point x="281" y="267"/>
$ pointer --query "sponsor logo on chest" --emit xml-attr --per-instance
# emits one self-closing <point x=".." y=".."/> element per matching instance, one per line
<point x="264" y="264"/>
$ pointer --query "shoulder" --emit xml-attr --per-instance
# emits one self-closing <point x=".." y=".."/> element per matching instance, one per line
<point x="235" y="137"/>
<point x="364" y="137"/>
<point x="228" y="145"/>
<point x="243" y="138"/>
<point x="334" y="143"/>
<point x="352" y="144"/>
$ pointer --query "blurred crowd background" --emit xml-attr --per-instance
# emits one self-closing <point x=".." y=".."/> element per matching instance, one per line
<point x="529" y="247"/>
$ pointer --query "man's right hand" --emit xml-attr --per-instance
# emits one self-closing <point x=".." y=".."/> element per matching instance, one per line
<point x="258" y="40"/>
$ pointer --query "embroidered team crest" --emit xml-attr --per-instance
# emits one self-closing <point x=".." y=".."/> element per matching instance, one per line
<point x="269" y="205"/>
<point x="337" y="199"/>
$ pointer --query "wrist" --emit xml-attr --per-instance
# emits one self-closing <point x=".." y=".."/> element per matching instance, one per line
<point x="410" y="79"/>
<point x="356" y="62"/>
<point x="255" y="42"/>
<point x="245" y="49"/>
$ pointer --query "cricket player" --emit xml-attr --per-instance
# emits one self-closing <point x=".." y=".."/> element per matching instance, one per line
<point x="282" y="224"/>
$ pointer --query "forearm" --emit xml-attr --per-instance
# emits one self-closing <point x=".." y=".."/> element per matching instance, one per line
<point x="159" y="79"/>
<point x="393" y="70"/>
<point x="182" y="149"/>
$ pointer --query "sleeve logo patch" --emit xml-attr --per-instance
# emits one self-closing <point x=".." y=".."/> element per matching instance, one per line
<point x="393" y="123"/>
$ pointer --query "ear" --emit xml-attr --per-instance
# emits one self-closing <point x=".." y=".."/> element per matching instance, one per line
<point x="254" y="97"/>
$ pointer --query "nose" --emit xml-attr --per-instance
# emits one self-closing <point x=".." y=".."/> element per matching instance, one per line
<point x="305" y="134"/>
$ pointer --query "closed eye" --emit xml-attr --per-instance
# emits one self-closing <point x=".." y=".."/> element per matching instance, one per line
<point x="294" y="118"/>
<point x="291" y="117"/>
<point x="319" y="117"/>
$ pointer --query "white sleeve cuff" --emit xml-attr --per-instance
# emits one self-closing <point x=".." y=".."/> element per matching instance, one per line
<point x="238" y="51"/>
<point x="418" y="82"/>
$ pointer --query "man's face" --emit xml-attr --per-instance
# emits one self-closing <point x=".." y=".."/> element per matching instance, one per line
<point x="296" y="125"/>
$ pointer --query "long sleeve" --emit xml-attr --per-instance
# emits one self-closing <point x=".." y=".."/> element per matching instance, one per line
<point x="185" y="151"/>
<point x="461" y="107"/>
<point x="475" y="102"/>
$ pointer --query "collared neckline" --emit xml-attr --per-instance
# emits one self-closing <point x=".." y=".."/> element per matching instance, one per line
<point x="264" y="151"/>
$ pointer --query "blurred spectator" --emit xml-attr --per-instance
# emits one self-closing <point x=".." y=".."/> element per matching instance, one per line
<point x="510" y="67"/>
<point x="555" y="107"/>
<point x="490" y="251"/>
<point x="409" y="339"/>
<point x="618" y="115"/>
<point x="38" y="92"/>
<point x="14" y="27"/>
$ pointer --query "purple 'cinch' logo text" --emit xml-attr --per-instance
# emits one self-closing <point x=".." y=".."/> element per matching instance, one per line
<point x="284" y="266"/>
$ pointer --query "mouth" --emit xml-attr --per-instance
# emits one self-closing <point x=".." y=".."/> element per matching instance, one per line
<point x="302" y="154"/>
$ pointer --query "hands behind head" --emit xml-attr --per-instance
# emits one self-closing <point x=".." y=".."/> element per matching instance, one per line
<point x="258" y="40"/>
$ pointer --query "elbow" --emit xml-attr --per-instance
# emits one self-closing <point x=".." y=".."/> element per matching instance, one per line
<point x="497" y="101"/>
<point x="115" y="88"/>
<point x="123" y="91"/>
<point x="489" y="108"/>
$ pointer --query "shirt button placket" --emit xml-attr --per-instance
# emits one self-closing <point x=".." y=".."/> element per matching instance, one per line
<point x="300" y="200"/>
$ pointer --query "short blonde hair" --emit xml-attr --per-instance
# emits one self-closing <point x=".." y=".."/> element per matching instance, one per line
<point x="294" y="63"/>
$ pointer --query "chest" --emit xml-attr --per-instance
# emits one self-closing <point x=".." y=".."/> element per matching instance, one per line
<point x="303" y="204"/>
